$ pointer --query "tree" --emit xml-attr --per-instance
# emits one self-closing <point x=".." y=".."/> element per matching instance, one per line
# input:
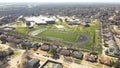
<point x="117" y="64"/>
<point x="53" y="51"/>
<point x="3" y="39"/>
<point x="94" y="42"/>
<point x="1" y="32"/>
<point x="56" y="42"/>
<point x="54" y="54"/>
<point x="28" y="24"/>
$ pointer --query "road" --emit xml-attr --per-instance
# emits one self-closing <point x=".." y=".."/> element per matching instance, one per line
<point x="14" y="61"/>
<point x="102" y="39"/>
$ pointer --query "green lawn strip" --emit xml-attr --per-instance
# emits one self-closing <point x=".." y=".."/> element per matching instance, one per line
<point x="25" y="30"/>
<point x="43" y="26"/>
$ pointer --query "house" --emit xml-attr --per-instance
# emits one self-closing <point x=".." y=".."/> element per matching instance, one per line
<point x="9" y="51"/>
<point x="105" y="60"/>
<point x="85" y="24"/>
<point x="65" y="52"/>
<point x="73" y="22"/>
<point x="6" y="52"/>
<point x="106" y="45"/>
<point x="91" y="57"/>
<point x="34" y="63"/>
<point x="3" y="38"/>
<point x="87" y="21"/>
<point x="78" y="54"/>
<point x="114" y="50"/>
<point x="10" y="39"/>
<point x="17" y="41"/>
<point x="118" y="36"/>
<point x="54" y="46"/>
<point x="58" y="49"/>
<point x="26" y="43"/>
<point x="8" y="28"/>
<point x="117" y="23"/>
<point x="50" y="21"/>
<point x="108" y="38"/>
<point x="45" y="47"/>
<point x="35" y="44"/>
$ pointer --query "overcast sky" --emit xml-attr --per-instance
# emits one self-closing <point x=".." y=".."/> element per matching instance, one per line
<point x="60" y="1"/>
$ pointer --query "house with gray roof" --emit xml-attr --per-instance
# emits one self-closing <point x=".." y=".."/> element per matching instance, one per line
<point x="78" y="54"/>
<point x="34" y="63"/>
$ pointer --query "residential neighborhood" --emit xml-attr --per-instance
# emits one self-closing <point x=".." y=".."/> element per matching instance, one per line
<point x="34" y="35"/>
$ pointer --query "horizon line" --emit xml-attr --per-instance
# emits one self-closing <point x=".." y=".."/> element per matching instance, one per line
<point x="60" y="2"/>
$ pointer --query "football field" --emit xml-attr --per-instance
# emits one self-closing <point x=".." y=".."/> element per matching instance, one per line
<point x="63" y="35"/>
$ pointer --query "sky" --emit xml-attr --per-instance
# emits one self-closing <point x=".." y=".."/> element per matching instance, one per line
<point x="111" y="1"/>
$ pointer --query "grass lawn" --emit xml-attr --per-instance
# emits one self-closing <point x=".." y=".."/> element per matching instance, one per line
<point x="74" y="33"/>
<point x="16" y="53"/>
<point x="93" y="33"/>
<point x="24" y="30"/>
<point x="66" y="36"/>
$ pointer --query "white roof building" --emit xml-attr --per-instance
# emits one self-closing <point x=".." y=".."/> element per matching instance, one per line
<point x="39" y="19"/>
